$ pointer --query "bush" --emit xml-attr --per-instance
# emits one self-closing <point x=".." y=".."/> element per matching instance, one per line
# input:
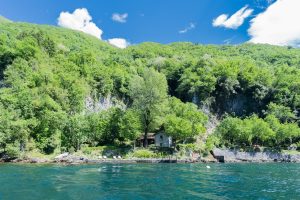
<point x="12" y="151"/>
<point x="187" y="147"/>
<point x="30" y="146"/>
<point x="71" y="150"/>
<point x="190" y="148"/>
<point x="144" y="153"/>
<point x="211" y="141"/>
<point x="87" y="151"/>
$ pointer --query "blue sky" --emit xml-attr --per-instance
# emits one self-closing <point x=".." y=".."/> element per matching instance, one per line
<point x="147" y="20"/>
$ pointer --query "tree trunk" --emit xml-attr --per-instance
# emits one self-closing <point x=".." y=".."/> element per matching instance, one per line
<point x="145" y="142"/>
<point x="146" y="129"/>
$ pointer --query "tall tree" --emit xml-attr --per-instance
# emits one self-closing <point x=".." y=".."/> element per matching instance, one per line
<point x="148" y="92"/>
<point x="184" y="120"/>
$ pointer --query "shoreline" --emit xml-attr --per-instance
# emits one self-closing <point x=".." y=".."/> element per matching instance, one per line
<point x="217" y="156"/>
<point x="138" y="161"/>
<point x="108" y="161"/>
<point x="81" y="161"/>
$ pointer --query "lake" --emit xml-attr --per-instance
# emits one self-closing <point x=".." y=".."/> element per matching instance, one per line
<point x="150" y="181"/>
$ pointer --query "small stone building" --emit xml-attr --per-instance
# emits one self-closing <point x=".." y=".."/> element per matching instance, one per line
<point x="162" y="140"/>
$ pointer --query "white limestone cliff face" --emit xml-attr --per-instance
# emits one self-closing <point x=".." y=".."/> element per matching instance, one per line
<point x="102" y="104"/>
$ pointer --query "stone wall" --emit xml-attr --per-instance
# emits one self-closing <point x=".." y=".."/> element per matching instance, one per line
<point x="266" y="156"/>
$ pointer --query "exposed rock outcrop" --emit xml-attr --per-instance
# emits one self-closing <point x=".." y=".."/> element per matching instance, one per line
<point x="102" y="103"/>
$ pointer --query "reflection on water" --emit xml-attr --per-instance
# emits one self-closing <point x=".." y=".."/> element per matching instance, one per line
<point x="151" y="181"/>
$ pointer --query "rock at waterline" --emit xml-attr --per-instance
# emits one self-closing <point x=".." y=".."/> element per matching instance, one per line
<point x="61" y="156"/>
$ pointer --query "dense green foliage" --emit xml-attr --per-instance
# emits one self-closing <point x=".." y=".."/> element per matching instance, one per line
<point x="256" y="131"/>
<point x="184" y="120"/>
<point x="60" y="89"/>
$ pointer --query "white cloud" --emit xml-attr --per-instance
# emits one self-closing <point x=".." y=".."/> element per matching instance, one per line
<point x="80" y="20"/>
<point x="190" y="27"/>
<point x="119" y="42"/>
<point x="235" y="20"/>
<point x="278" y="24"/>
<point x="122" y="18"/>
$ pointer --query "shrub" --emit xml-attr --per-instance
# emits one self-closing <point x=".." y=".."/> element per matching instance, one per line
<point x="144" y="153"/>
<point x="87" y="151"/>
<point x="12" y="151"/>
<point x="211" y="141"/>
<point x="71" y="150"/>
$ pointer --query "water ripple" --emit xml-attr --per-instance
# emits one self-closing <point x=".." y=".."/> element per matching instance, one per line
<point x="151" y="181"/>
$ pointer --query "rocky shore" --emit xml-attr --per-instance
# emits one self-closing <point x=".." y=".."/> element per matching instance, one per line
<point x="80" y="160"/>
<point x="73" y="160"/>
<point x="217" y="155"/>
<point x="226" y="155"/>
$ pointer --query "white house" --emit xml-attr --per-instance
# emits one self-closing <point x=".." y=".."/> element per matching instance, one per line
<point x="162" y="140"/>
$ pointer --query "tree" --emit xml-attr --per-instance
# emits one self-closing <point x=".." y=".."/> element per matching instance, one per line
<point x="148" y="93"/>
<point x="178" y="128"/>
<point x="184" y="120"/>
<point x="287" y="133"/>
<point x="260" y="130"/>
<point x="245" y="132"/>
<point x="97" y="124"/>
<point x="75" y="132"/>
<point x="13" y="128"/>
<point x="113" y="126"/>
<point x="231" y="132"/>
<point x="283" y="113"/>
<point x="198" y="80"/>
<point x="130" y="125"/>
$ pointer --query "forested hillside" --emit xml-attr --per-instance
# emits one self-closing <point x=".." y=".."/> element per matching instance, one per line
<point x="61" y="89"/>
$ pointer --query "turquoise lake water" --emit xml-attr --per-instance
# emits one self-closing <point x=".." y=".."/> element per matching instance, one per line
<point x="150" y="181"/>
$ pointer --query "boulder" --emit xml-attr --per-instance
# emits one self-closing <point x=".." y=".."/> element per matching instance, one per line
<point x="61" y="156"/>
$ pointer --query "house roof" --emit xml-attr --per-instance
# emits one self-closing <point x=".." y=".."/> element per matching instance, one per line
<point x="149" y="136"/>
